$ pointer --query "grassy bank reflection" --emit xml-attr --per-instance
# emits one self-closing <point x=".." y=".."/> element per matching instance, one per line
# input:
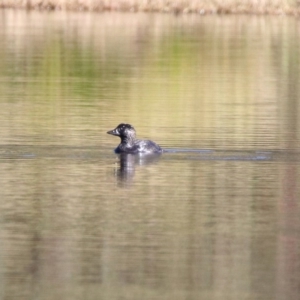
<point x="213" y="82"/>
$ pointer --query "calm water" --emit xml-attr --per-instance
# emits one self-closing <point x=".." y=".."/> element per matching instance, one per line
<point x="217" y="218"/>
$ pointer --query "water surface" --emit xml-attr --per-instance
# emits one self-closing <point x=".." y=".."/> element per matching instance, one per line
<point x="217" y="217"/>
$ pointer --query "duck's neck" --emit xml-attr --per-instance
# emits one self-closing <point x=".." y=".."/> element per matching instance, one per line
<point x="128" y="140"/>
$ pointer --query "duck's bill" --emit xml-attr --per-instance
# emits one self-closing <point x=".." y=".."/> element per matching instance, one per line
<point x="113" y="132"/>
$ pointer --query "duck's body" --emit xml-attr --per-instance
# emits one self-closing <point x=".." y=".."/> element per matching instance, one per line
<point x="129" y="142"/>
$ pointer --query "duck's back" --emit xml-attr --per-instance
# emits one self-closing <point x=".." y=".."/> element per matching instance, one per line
<point x="147" y="146"/>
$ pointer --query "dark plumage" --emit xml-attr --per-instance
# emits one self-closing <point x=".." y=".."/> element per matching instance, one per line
<point x="129" y="142"/>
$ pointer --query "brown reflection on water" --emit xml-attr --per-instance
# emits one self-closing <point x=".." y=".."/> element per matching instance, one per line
<point x="289" y="229"/>
<point x="68" y="229"/>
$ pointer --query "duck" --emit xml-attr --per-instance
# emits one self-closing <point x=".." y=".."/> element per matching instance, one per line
<point x="130" y="144"/>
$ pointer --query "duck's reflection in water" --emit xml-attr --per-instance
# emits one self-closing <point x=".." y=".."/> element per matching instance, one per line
<point x="127" y="163"/>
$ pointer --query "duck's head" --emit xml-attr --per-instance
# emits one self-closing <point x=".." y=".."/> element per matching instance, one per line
<point x="124" y="131"/>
